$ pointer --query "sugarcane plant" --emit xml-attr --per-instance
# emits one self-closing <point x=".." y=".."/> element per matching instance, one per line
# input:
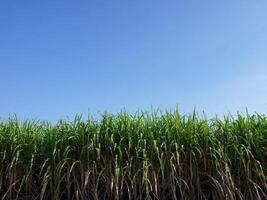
<point x="146" y="155"/>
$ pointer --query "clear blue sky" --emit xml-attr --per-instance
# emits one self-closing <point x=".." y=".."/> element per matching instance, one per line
<point x="59" y="58"/>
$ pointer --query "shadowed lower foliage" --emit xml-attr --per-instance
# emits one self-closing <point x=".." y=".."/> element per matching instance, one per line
<point x="152" y="155"/>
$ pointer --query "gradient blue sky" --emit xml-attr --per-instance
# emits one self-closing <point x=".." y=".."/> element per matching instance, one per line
<point x="59" y="58"/>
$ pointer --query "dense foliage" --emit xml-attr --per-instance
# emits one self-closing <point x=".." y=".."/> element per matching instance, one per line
<point x="143" y="156"/>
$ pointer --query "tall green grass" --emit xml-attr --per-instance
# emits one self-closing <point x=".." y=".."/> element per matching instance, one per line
<point x="156" y="155"/>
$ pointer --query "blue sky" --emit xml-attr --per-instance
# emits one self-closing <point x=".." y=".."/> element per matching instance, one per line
<point x="59" y="58"/>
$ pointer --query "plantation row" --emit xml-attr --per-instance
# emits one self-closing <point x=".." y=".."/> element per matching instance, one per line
<point x="145" y="156"/>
